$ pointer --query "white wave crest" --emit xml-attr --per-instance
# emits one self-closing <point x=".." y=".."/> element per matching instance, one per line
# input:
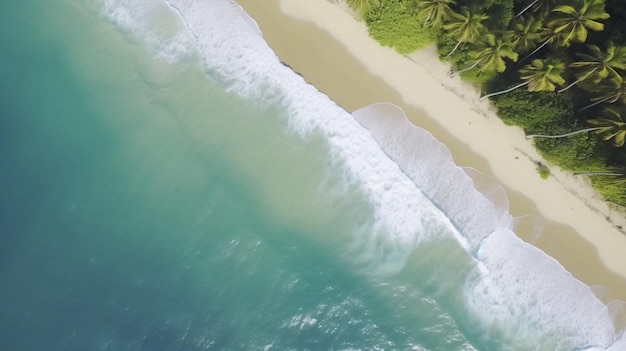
<point x="520" y="286"/>
<point x="153" y="23"/>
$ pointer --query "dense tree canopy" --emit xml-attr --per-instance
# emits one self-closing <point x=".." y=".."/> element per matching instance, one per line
<point x="569" y="52"/>
<point x="573" y="23"/>
<point x="491" y="52"/>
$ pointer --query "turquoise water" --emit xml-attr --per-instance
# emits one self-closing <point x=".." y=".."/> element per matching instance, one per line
<point x="169" y="185"/>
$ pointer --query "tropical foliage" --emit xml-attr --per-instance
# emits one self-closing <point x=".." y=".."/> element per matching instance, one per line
<point x="598" y="65"/>
<point x="527" y="33"/>
<point x="608" y="93"/>
<point x="362" y="6"/>
<point x="465" y="27"/>
<point x="573" y="23"/>
<point x="540" y="75"/>
<point x="612" y="127"/>
<point x="398" y="25"/>
<point x="491" y="53"/>
<point x="567" y="56"/>
<point x="436" y="12"/>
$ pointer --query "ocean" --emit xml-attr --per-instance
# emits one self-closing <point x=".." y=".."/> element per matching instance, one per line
<point x="169" y="184"/>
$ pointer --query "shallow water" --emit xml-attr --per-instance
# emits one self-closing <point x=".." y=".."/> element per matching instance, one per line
<point x="169" y="185"/>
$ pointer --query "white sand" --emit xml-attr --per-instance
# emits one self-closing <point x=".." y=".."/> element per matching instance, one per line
<point x="423" y="81"/>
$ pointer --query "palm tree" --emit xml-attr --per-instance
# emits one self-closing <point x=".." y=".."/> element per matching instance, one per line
<point x="540" y="75"/>
<point x="492" y="52"/>
<point x="574" y="24"/>
<point x="542" y="6"/>
<point x="609" y="92"/>
<point x="435" y="12"/>
<point x="599" y="65"/>
<point x="615" y="171"/>
<point x="532" y="136"/>
<point x="612" y="127"/>
<point x="361" y="6"/>
<point x="527" y="33"/>
<point x="571" y="25"/>
<point x="526" y="8"/>
<point x="465" y="26"/>
<point x="549" y="36"/>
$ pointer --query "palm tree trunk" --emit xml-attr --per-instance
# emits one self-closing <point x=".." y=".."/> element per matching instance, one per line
<point x="505" y="91"/>
<point x="578" y="80"/>
<point x="453" y="50"/>
<point x="595" y="103"/>
<point x="534" y="51"/>
<point x="526" y="8"/>
<point x="600" y="173"/>
<point x="470" y="67"/>
<point x="571" y="85"/>
<point x="564" y="135"/>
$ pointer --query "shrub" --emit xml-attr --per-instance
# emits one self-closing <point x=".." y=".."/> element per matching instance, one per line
<point x="396" y="23"/>
<point x="543" y="170"/>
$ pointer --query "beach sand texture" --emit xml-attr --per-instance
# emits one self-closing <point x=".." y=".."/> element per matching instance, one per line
<point x="561" y="215"/>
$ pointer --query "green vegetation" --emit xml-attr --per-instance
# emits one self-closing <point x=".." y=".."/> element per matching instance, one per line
<point x="362" y="6"/>
<point x="556" y="68"/>
<point x="399" y="24"/>
<point x="543" y="170"/>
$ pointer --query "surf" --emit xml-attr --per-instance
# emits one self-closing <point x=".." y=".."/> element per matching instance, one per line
<point x="514" y="292"/>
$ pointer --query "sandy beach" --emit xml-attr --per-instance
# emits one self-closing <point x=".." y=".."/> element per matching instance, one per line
<point x="561" y="215"/>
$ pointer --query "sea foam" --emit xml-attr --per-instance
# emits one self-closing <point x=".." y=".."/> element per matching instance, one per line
<point x="529" y="294"/>
<point x="429" y="164"/>
<point x="154" y="24"/>
<point x="519" y="290"/>
<point x="416" y="191"/>
<point x="403" y="215"/>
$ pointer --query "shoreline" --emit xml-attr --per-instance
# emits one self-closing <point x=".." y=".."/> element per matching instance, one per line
<point x="561" y="215"/>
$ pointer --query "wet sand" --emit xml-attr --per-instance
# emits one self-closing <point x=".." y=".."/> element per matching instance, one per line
<point x="561" y="215"/>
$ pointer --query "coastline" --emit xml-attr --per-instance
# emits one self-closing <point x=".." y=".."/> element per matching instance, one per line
<point x="561" y="215"/>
